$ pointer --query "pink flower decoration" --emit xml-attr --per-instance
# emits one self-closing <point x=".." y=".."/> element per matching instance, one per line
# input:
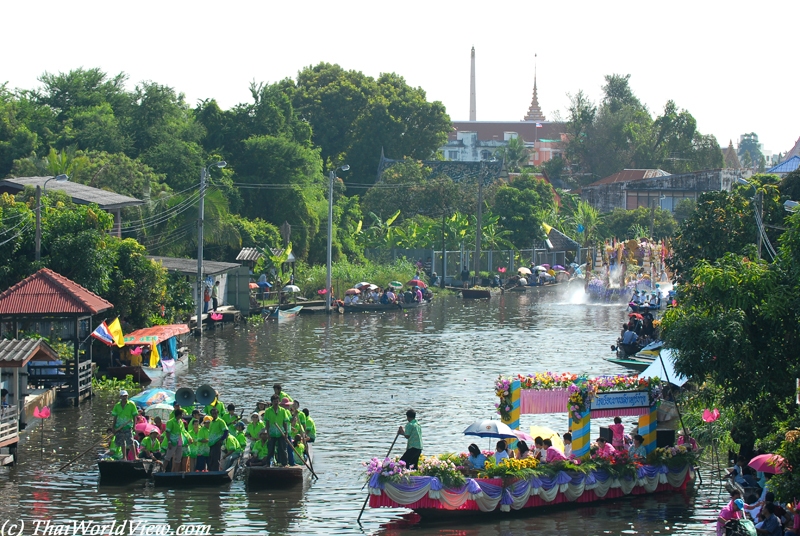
<point x="216" y="316"/>
<point x="137" y="350"/>
<point x="45" y="413"/>
<point x="710" y="416"/>
<point x="501" y="270"/>
<point x="323" y="291"/>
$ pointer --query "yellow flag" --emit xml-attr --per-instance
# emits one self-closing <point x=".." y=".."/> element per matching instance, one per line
<point x="547" y="228"/>
<point x="116" y="332"/>
<point x="154" y="356"/>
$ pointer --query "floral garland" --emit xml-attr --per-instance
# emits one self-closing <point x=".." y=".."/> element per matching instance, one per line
<point x="581" y="389"/>
<point x="444" y="468"/>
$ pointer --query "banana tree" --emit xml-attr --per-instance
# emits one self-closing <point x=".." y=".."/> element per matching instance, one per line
<point x="379" y="234"/>
<point x="271" y="263"/>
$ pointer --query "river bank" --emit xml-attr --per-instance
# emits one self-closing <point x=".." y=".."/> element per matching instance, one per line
<point x="357" y="374"/>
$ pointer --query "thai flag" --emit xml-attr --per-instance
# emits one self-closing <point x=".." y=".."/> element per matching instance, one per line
<point x="104" y="334"/>
<point x="538" y="125"/>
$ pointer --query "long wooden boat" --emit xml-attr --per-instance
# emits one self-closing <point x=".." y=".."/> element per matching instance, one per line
<point x="196" y="479"/>
<point x="497" y="496"/>
<point x="163" y="337"/>
<point x="475" y="294"/>
<point x="372" y="307"/>
<point x="123" y="471"/>
<point x="277" y="477"/>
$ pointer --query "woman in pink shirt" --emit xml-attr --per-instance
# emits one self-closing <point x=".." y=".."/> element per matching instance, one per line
<point x="619" y="433"/>
<point x="733" y="510"/>
<point x="553" y="453"/>
<point x="604" y="448"/>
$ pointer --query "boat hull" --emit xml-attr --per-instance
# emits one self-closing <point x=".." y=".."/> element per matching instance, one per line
<point x="472" y="294"/>
<point x="276" y="477"/>
<point x="195" y="480"/>
<point x="373" y="307"/>
<point x="143" y="374"/>
<point x="123" y="471"/>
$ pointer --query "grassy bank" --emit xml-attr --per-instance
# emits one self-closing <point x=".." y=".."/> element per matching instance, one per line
<point x="345" y="274"/>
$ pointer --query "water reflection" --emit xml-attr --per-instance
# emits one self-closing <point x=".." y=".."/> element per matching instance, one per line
<point x="358" y="374"/>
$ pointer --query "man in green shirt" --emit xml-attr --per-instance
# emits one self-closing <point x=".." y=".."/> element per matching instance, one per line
<point x="311" y="428"/>
<point x="412" y="432"/>
<point x="124" y="413"/>
<point x="277" y="419"/>
<point x="218" y="432"/>
<point x="259" y="450"/>
<point x="174" y="432"/>
<point x="255" y="427"/>
<point x="279" y="392"/>
<point x="151" y="446"/>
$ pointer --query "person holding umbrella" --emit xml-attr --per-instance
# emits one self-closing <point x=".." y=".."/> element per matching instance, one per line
<point x="413" y="433"/>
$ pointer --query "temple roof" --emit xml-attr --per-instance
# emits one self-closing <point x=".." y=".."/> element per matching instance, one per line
<point x="730" y="157"/>
<point x="535" y="111"/>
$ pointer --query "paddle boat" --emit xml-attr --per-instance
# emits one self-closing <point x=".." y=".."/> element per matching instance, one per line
<point x="262" y="476"/>
<point x="151" y="353"/>
<point x="226" y="474"/>
<point x="119" y="472"/>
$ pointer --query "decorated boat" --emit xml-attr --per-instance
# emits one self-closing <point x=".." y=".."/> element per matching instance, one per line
<point x="199" y="479"/>
<point x="150" y="354"/>
<point x="281" y="315"/>
<point x="120" y="472"/>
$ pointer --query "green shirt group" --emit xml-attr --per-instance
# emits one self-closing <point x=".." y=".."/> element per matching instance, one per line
<point x="125" y="415"/>
<point x="276" y="419"/>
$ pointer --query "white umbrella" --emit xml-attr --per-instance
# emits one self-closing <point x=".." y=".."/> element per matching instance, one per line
<point x="663" y="367"/>
<point x="523" y="281"/>
<point x="489" y="428"/>
<point x="291" y="288"/>
<point x="362" y="284"/>
<point x="159" y="410"/>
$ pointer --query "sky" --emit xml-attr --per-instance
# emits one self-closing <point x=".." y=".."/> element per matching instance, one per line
<point x="732" y="69"/>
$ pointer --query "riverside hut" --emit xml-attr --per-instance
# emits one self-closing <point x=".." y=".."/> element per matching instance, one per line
<point x="50" y="305"/>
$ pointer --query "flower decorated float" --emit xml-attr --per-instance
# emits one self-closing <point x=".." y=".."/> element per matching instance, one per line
<point x="442" y="484"/>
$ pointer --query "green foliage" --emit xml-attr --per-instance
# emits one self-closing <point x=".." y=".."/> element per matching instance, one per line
<point x="346" y="274"/>
<point x="790" y="186"/>
<point x="112" y="384"/>
<point x="517" y="206"/>
<point x="748" y="150"/>
<point x="684" y="209"/>
<point x="626" y="224"/>
<point x="515" y="154"/>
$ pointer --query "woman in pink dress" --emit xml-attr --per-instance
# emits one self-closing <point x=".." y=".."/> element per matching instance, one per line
<point x="619" y="433"/>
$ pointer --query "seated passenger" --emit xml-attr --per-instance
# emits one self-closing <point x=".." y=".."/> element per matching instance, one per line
<point x="501" y="452"/>
<point x="522" y="451"/>
<point x="553" y="454"/>
<point x="476" y="459"/>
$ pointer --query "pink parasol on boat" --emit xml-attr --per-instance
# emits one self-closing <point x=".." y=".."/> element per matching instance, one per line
<point x="768" y="463"/>
<point x="147" y="428"/>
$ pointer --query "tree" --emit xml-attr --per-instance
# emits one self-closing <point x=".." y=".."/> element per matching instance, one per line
<point x="789" y="186"/>
<point x="626" y="224"/>
<point x="749" y="150"/>
<point x="16" y="139"/>
<point x="515" y="154"/>
<point x="685" y="209"/>
<point x="517" y="207"/>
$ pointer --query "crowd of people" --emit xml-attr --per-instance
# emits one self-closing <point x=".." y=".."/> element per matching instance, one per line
<point x="388" y="296"/>
<point x="204" y="440"/>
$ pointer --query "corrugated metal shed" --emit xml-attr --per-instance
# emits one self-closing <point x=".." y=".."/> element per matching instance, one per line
<point x="80" y="193"/>
<point x="189" y="266"/>
<point x="49" y="293"/>
<point x="631" y="175"/>
<point x="17" y="352"/>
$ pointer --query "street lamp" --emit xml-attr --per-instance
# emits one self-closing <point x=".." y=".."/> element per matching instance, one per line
<point x="332" y="176"/>
<point x="746" y="183"/>
<point x="39" y="191"/>
<point x="791" y="206"/>
<point x="204" y="172"/>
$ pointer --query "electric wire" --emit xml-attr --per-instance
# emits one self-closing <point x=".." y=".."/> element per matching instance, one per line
<point x="24" y="229"/>
<point x="161" y="217"/>
<point x="14" y="227"/>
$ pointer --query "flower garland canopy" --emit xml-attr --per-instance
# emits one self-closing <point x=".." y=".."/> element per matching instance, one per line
<point x="580" y="388"/>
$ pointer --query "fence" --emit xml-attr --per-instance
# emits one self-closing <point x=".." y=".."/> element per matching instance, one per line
<point x="489" y="262"/>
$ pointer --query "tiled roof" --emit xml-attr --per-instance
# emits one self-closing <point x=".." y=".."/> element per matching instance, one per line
<point x="80" y="193"/>
<point x="562" y="242"/>
<point x="17" y="352"/>
<point x="161" y="333"/>
<point x="787" y="166"/>
<point x="630" y="175"/>
<point x="49" y="293"/>
<point x="489" y="130"/>
<point x="189" y="266"/>
<point x="252" y="254"/>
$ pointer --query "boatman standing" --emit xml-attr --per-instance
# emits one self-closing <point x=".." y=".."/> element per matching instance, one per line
<point x="124" y="413"/>
<point x="413" y="433"/>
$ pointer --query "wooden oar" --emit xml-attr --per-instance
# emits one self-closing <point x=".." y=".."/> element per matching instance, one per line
<point x="82" y="454"/>
<point x="295" y="450"/>
<point x="358" y="519"/>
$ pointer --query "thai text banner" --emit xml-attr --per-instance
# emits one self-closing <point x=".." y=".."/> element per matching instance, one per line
<point x="627" y="399"/>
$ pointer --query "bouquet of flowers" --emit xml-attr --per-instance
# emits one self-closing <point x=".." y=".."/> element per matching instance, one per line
<point x="617" y="464"/>
<point x="673" y="456"/>
<point x="510" y="468"/>
<point x="580" y="398"/>
<point x="443" y="469"/>
<point x="388" y="469"/>
<point x="503" y="390"/>
<point x="547" y="380"/>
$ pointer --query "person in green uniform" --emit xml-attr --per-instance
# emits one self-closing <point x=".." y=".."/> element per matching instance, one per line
<point x="299" y="450"/>
<point x="151" y="447"/>
<point x="278" y="390"/>
<point x="202" y="445"/>
<point x="301" y="417"/>
<point x="259" y="449"/>
<point x="311" y="428"/>
<point x="230" y="418"/>
<point x="174" y="436"/>
<point x="216" y="404"/>
<point x="124" y="413"/>
<point x="114" y="452"/>
<point x="278" y="420"/>
<point x="412" y="432"/>
<point x="230" y="451"/>
<point x="255" y="427"/>
<point x="217" y="432"/>
<point x="240" y="437"/>
<point x="191" y="450"/>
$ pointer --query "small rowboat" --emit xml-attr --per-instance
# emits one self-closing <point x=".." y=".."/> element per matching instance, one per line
<point x="262" y="476"/>
<point x="123" y="471"/>
<point x="280" y="315"/>
<point x="474" y="294"/>
<point x="196" y="479"/>
<point x="632" y="363"/>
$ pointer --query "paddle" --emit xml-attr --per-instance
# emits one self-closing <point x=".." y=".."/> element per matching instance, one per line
<point x="358" y="519"/>
<point x="82" y="454"/>
<point x="298" y="454"/>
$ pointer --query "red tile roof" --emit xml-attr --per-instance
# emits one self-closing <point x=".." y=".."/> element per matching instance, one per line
<point x="631" y="175"/>
<point x="47" y="292"/>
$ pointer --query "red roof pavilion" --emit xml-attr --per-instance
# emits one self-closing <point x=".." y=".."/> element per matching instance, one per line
<point x="49" y="293"/>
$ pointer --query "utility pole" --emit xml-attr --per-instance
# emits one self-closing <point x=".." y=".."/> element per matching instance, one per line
<point x="201" y="210"/>
<point x="759" y="228"/>
<point x="38" y="223"/>
<point x="480" y="224"/>
<point x="332" y="176"/>
<point x="652" y="217"/>
<point x="444" y="250"/>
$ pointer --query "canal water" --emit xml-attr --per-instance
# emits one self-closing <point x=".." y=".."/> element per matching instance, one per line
<point x="358" y="373"/>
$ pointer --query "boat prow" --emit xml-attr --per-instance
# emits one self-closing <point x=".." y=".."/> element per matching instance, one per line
<point x="123" y="471"/>
<point x="197" y="479"/>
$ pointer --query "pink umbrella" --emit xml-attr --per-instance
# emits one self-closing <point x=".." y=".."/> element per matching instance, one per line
<point x="147" y="428"/>
<point x="523" y="436"/>
<point x="352" y="291"/>
<point x="768" y="463"/>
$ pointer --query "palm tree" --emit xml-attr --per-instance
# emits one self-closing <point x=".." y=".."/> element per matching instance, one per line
<point x="587" y="221"/>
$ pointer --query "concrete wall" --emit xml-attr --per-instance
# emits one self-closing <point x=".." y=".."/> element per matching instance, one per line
<point x="607" y="197"/>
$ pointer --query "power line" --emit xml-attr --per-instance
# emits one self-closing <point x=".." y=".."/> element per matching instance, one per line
<point x="161" y="217"/>
<point x="12" y="228"/>
<point x="16" y="235"/>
